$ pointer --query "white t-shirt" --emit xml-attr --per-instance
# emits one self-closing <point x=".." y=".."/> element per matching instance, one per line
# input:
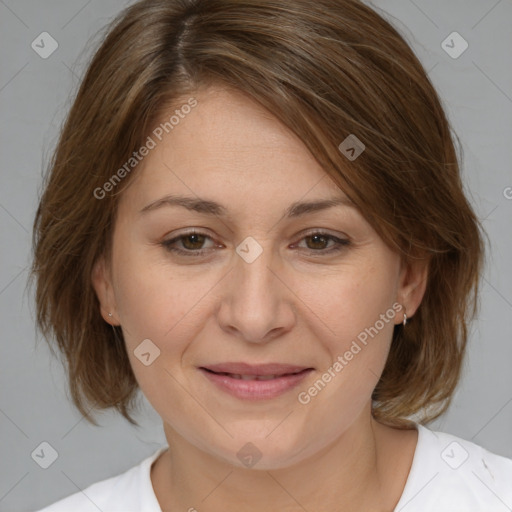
<point x="448" y="474"/>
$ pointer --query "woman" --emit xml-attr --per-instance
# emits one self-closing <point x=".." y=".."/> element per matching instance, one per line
<point x="255" y="215"/>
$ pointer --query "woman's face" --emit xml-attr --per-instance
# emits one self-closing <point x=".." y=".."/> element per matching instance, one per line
<point x="315" y="290"/>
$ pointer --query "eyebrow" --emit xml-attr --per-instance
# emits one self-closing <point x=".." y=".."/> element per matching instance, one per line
<point x="208" y="207"/>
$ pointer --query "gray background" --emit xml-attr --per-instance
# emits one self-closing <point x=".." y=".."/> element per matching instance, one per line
<point x="35" y="94"/>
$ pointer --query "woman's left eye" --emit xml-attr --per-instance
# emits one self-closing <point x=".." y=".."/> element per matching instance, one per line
<point x="321" y="238"/>
<point x="193" y="242"/>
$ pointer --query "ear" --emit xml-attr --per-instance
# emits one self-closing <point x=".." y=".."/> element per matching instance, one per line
<point x="102" y="284"/>
<point x="412" y="285"/>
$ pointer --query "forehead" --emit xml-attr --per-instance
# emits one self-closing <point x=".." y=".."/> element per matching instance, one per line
<point x="229" y="147"/>
<point x="228" y="126"/>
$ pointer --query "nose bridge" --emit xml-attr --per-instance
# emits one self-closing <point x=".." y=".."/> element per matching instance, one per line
<point x="254" y="305"/>
<point x="252" y="272"/>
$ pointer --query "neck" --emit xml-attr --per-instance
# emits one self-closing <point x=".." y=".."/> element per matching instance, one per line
<point x="347" y="475"/>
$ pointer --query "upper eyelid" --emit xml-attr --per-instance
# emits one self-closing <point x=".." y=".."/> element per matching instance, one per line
<point x="307" y="232"/>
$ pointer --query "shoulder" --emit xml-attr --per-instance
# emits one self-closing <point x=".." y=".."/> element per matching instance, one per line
<point x="131" y="490"/>
<point x="452" y="474"/>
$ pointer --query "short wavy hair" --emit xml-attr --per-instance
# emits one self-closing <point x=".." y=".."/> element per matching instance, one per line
<point x="326" y="69"/>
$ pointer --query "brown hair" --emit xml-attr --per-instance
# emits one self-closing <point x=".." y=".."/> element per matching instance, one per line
<point x="326" y="69"/>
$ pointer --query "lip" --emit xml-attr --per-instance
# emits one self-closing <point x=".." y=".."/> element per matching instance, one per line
<point x="255" y="369"/>
<point x="286" y="378"/>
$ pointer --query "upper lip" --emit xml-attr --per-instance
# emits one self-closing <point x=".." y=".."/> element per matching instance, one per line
<point x="255" y="369"/>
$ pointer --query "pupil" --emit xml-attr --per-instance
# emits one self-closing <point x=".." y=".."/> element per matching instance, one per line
<point x="192" y="237"/>
<point x="315" y="238"/>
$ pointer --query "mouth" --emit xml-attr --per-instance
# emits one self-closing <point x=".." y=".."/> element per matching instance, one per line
<point x="252" y="377"/>
<point x="255" y="382"/>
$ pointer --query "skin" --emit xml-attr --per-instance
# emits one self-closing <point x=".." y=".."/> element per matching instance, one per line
<point x="291" y="305"/>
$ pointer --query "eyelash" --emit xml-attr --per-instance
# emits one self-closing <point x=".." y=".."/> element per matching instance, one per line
<point x="340" y="244"/>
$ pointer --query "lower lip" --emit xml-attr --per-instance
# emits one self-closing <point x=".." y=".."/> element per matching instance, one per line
<point x="256" y="389"/>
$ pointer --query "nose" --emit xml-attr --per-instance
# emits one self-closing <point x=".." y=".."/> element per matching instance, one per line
<point x="257" y="304"/>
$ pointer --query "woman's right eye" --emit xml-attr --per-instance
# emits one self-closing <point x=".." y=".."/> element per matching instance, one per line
<point x="194" y="239"/>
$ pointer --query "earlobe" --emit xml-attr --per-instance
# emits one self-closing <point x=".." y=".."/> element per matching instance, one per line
<point x="413" y="283"/>
<point x="101" y="282"/>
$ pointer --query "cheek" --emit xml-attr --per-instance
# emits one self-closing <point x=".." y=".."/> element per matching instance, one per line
<point x="361" y="321"/>
<point x="355" y="306"/>
<point x="152" y="298"/>
<point x="349" y="302"/>
<point x="164" y="304"/>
